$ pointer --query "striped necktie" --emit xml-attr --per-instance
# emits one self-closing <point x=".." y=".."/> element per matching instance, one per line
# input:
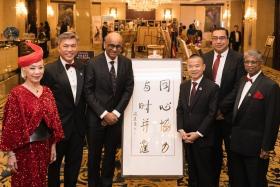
<point x="113" y="77"/>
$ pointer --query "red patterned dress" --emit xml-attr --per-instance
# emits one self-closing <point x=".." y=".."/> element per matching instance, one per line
<point x="23" y="113"/>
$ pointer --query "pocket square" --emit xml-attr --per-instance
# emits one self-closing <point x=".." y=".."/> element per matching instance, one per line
<point x="258" y="95"/>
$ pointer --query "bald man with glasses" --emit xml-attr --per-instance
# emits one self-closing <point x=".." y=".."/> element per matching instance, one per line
<point x="255" y="105"/>
<point x="108" y="87"/>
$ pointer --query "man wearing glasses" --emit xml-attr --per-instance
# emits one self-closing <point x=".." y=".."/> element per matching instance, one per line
<point x="255" y="104"/>
<point x="225" y="67"/>
<point x="108" y="87"/>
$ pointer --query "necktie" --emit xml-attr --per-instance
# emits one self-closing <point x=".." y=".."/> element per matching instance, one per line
<point x="113" y="76"/>
<point x="67" y="66"/>
<point x="249" y="80"/>
<point x="216" y="66"/>
<point x="193" y="92"/>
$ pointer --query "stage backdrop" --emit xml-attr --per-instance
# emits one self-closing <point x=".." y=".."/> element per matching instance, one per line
<point x="151" y="143"/>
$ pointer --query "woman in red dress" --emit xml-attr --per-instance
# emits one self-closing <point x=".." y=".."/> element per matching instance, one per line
<point x="31" y="125"/>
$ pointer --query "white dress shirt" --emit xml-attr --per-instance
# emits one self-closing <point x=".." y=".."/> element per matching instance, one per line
<point x="196" y="87"/>
<point x="219" y="75"/>
<point x="108" y="59"/>
<point x="198" y="82"/>
<point x="247" y="87"/>
<point x="72" y="77"/>
<point x="236" y="36"/>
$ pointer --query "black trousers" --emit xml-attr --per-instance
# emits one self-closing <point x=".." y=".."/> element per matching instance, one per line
<point x="72" y="151"/>
<point x="200" y="165"/>
<point x="222" y="136"/>
<point x="248" y="171"/>
<point x="106" y="139"/>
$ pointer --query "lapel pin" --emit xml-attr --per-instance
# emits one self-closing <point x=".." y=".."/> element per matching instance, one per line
<point x="199" y="88"/>
<point x="249" y="94"/>
<point x="81" y="74"/>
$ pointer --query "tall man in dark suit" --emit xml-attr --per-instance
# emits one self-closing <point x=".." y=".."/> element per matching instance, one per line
<point x="65" y="77"/>
<point x="109" y="86"/>
<point x="225" y="67"/>
<point x="196" y="113"/>
<point x="235" y="38"/>
<point x="255" y="123"/>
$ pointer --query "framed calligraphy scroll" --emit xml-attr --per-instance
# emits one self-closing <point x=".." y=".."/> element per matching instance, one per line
<point x="151" y="144"/>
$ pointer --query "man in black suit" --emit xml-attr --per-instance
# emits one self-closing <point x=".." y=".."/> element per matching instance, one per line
<point x="235" y="38"/>
<point x="196" y="112"/>
<point x="63" y="27"/>
<point x="225" y="67"/>
<point x="255" y="123"/>
<point x="105" y="30"/>
<point x="65" y="77"/>
<point x="108" y="87"/>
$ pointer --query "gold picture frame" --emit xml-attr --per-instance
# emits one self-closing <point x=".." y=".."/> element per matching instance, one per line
<point x="269" y="41"/>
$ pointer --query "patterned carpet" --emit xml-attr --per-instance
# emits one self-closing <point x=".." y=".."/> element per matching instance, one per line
<point x="119" y="181"/>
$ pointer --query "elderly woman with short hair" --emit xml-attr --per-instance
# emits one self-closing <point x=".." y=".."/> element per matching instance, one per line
<point x="31" y="125"/>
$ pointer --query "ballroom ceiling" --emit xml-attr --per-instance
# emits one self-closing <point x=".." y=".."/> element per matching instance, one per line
<point x="173" y="1"/>
<point x="177" y="1"/>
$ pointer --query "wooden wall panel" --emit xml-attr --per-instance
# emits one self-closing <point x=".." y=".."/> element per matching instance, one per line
<point x="276" y="54"/>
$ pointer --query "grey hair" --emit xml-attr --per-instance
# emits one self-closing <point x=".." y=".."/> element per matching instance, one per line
<point x="255" y="54"/>
<point x="67" y="35"/>
<point x="22" y="73"/>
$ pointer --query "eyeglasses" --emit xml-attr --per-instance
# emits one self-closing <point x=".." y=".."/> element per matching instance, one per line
<point x="113" y="46"/>
<point x="251" y="62"/>
<point x="216" y="38"/>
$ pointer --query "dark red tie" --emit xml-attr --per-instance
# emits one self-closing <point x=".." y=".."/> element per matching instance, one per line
<point x="67" y="66"/>
<point x="193" y="92"/>
<point x="216" y="66"/>
<point x="249" y="80"/>
<point x="113" y="77"/>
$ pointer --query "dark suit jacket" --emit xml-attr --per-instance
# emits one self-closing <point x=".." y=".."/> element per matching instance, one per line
<point x="199" y="116"/>
<point x="99" y="91"/>
<point x="232" y="38"/>
<point x="256" y="122"/>
<point x="71" y="114"/>
<point x="232" y="72"/>
<point x="104" y="31"/>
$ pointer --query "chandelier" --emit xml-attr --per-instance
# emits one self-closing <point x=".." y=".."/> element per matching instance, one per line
<point x="250" y="13"/>
<point x="145" y="5"/>
<point x="21" y="8"/>
<point x="226" y="14"/>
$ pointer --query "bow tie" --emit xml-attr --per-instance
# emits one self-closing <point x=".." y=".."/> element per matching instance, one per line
<point x="249" y="80"/>
<point x="70" y="65"/>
